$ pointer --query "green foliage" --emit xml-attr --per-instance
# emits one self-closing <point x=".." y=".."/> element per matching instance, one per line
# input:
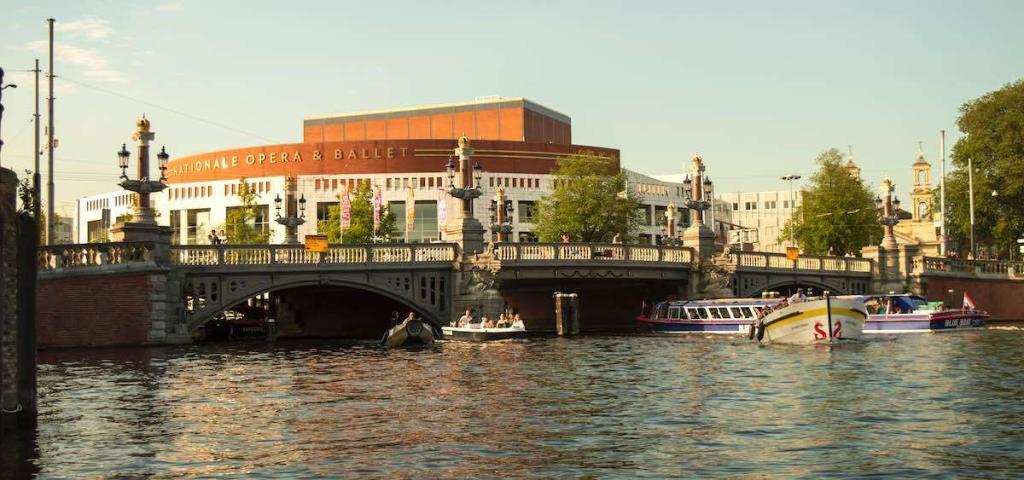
<point x="241" y="221"/>
<point x="360" y="229"/>
<point x="993" y="127"/>
<point x="586" y="202"/>
<point x="838" y="213"/>
<point x="28" y="198"/>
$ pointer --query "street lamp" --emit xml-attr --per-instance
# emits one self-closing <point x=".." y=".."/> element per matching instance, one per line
<point x="887" y="214"/>
<point x="291" y="219"/>
<point x="2" y="88"/>
<point x="501" y="215"/>
<point x="142" y="185"/>
<point x="792" y="204"/>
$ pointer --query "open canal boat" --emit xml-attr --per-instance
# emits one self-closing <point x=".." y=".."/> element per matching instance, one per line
<point x="411" y="332"/>
<point x="815" y="320"/>
<point x="913" y="314"/>
<point x="482" y="334"/>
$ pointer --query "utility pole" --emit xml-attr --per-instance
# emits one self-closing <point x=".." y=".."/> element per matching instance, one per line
<point x="37" y="209"/>
<point x="49" y="147"/>
<point x="970" y="188"/>
<point x="942" y="193"/>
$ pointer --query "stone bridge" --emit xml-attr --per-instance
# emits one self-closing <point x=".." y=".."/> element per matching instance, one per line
<point x="146" y="292"/>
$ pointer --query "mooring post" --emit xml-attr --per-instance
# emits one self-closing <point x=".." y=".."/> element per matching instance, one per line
<point x="567" y="317"/>
<point x="19" y="239"/>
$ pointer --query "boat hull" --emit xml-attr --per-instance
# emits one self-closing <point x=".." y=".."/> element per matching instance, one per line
<point x="948" y="321"/>
<point x="808" y="322"/>
<point x="735" y="327"/>
<point x="482" y="334"/>
<point x="408" y="334"/>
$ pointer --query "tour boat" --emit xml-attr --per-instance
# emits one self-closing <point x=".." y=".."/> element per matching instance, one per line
<point x="728" y="316"/>
<point x="411" y="332"/>
<point x="482" y="334"/>
<point x="815" y="320"/>
<point x="912" y="314"/>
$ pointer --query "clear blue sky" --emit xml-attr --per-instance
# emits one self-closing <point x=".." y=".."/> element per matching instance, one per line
<point x="758" y="88"/>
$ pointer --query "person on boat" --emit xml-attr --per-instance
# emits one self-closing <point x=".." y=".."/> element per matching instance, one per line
<point x="518" y="322"/>
<point x="395" y="318"/>
<point x="798" y="296"/>
<point x="411" y="316"/>
<point x="503" y="321"/>
<point x="466" y="318"/>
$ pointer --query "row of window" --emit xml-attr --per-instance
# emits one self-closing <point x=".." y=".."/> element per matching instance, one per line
<point x="652" y="189"/>
<point x="515" y="182"/>
<point x="711" y="313"/>
<point x="101" y="203"/>
<point x="767" y="204"/>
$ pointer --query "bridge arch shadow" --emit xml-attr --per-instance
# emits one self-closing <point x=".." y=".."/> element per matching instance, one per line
<point x="790" y="287"/>
<point x="205" y="300"/>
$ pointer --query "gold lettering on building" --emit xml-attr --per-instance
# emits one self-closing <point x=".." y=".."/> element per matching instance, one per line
<point x="261" y="158"/>
<point x="338" y="154"/>
<point x="391" y="152"/>
<point x="234" y="161"/>
<point x="297" y="157"/>
<point x="352" y="154"/>
<point x="403" y="151"/>
<point x="250" y="159"/>
<point x="317" y="156"/>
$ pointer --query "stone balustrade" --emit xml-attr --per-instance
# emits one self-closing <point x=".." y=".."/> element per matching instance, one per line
<point x="779" y="261"/>
<point x="995" y="268"/>
<point x="527" y="252"/>
<point x="56" y="258"/>
<point x="203" y="255"/>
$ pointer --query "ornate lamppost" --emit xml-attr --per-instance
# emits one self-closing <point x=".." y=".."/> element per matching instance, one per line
<point x="143" y="223"/>
<point x="696" y="197"/>
<point x="501" y="212"/>
<point x="291" y="219"/>
<point x="887" y="214"/>
<point x="672" y="220"/>
<point x="464" y="228"/>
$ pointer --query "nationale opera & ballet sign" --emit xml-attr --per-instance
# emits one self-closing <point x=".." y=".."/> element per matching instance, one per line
<point x="267" y="156"/>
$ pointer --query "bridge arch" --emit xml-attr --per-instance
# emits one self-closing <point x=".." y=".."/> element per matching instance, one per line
<point x="205" y="298"/>
<point x="788" y="287"/>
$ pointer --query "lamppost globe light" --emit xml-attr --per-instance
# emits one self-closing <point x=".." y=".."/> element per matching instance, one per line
<point x="478" y="173"/>
<point x="302" y="206"/>
<point x="878" y="202"/>
<point x="162" y="158"/>
<point x="450" y="168"/>
<point x="122" y="157"/>
<point x="277" y="204"/>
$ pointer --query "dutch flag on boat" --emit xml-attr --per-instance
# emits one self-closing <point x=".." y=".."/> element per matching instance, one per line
<point x="968" y="303"/>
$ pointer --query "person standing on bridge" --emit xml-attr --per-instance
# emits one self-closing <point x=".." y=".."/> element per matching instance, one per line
<point x="213" y="238"/>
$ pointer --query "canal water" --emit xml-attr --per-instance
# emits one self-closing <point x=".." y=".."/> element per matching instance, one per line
<point x="946" y="405"/>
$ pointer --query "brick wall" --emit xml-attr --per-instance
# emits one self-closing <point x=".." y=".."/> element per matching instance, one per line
<point x="1003" y="299"/>
<point x="92" y="311"/>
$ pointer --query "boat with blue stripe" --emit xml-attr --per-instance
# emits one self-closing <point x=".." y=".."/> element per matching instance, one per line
<point x="909" y="313"/>
<point x="722" y="316"/>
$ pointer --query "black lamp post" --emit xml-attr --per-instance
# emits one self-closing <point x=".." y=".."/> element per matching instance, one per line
<point x="887" y="214"/>
<point x="291" y="219"/>
<point x="501" y="215"/>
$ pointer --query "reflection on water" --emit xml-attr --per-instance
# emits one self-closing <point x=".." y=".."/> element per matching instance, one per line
<point x="643" y="406"/>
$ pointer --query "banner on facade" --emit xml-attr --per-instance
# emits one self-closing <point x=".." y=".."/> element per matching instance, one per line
<point x="346" y="210"/>
<point x="442" y="209"/>
<point x="376" y="210"/>
<point x="410" y="210"/>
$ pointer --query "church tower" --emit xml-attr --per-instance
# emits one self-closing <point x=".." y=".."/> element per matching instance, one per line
<point x="921" y="193"/>
<point x="851" y="167"/>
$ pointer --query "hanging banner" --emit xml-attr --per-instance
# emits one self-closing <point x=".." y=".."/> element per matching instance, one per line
<point x="376" y="210"/>
<point x="442" y="209"/>
<point x="410" y="210"/>
<point x="346" y="210"/>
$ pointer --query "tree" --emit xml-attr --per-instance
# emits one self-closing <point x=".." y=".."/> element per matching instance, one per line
<point x="993" y="127"/>
<point x="29" y="198"/>
<point x="838" y="213"/>
<point x="241" y="221"/>
<point x="360" y="228"/>
<point x="587" y="202"/>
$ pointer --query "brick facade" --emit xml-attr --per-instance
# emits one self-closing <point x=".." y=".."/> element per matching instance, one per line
<point x="94" y="311"/>
<point x="1000" y="298"/>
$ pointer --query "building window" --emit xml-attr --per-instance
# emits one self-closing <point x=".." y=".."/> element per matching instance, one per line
<point x="197" y="225"/>
<point x="735" y="206"/>
<point x="323" y="212"/>
<point x="770" y="204"/>
<point x="175" y="226"/>
<point x="527" y="237"/>
<point x="645" y="214"/>
<point x="261" y="221"/>
<point x="526" y="211"/>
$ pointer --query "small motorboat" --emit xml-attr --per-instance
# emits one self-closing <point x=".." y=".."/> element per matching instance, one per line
<point x="411" y="332"/>
<point x="908" y="313"/>
<point x="477" y="334"/>
<point x="819" y="320"/>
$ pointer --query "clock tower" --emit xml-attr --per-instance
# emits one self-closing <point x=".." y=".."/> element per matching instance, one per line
<point x="921" y="192"/>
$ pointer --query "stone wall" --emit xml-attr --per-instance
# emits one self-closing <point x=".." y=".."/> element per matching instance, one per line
<point x="1003" y="299"/>
<point x="8" y="291"/>
<point x="95" y="310"/>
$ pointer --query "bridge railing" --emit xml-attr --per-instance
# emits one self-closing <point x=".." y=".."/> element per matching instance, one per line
<point x="1006" y="268"/>
<point x="202" y="255"/>
<point x="592" y="251"/>
<point x="779" y="261"/>
<point x="82" y="255"/>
